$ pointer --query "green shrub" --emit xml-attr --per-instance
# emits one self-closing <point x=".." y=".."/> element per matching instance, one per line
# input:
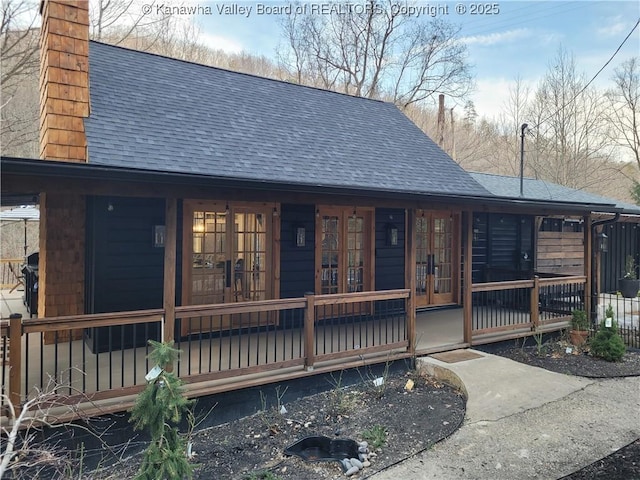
<point x="607" y="343"/>
<point x="159" y="409"/>
<point x="579" y="320"/>
<point x="376" y="436"/>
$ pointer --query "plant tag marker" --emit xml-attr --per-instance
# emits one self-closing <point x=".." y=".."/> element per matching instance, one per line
<point x="608" y="322"/>
<point x="569" y="350"/>
<point x="153" y="373"/>
<point x="378" y="382"/>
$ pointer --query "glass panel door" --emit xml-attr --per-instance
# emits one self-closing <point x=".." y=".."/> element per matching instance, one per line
<point x="344" y="251"/>
<point x="355" y="254"/>
<point x="442" y="258"/>
<point x="209" y="257"/>
<point x="229" y="260"/>
<point x="250" y="256"/>
<point x="434" y="258"/>
<point x="423" y="253"/>
<point x="330" y="241"/>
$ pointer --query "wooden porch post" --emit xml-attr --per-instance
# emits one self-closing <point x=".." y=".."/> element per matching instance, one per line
<point x="468" y="279"/>
<point x="15" y="360"/>
<point x="588" y="249"/>
<point x="169" y="294"/>
<point x="410" y="278"/>
<point x="535" y="303"/>
<point x="309" y="332"/>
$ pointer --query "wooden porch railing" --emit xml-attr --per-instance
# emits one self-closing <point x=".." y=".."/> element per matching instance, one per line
<point x="502" y="308"/>
<point x="219" y="343"/>
<point x="10" y="277"/>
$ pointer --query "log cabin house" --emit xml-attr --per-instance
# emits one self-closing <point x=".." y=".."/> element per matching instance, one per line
<point x="271" y="230"/>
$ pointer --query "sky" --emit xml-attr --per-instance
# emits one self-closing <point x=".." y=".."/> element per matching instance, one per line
<point x="509" y="39"/>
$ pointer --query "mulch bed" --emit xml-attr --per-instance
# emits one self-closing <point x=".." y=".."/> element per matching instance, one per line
<point x="252" y="448"/>
<point x="553" y="356"/>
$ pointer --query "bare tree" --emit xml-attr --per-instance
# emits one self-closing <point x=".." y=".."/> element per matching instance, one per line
<point x="19" y="50"/>
<point x="120" y="21"/>
<point x="18" y="41"/>
<point x="374" y="50"/>
<point x="570" y="127"/>
<point x="112" y="21"/>
<point x="513" y="115"/>
<point x="624" y="110"/>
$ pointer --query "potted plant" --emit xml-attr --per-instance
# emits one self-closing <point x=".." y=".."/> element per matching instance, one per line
<point x="579" y="327"/>
<point x="629" y="285"/>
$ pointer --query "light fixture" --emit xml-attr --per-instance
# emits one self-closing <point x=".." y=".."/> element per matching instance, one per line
<point x="110" y="207"/>
<point x="317" y="213"/>
<point x="602" y="242"/>
<point x="299" y="234"/>
<point x="275" y="211"/>
<point x="354" y="215"/>
<point x="158" y="236"/>
<point x="392" y="234"/>
<point x="226" y="208"/>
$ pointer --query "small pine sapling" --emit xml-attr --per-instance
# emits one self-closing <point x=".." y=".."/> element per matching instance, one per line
<point x="607" y="343"/>
<point x="159" y="408"/>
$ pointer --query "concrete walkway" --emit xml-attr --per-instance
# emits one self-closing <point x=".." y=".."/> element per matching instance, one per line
<point x="524" y="422"/>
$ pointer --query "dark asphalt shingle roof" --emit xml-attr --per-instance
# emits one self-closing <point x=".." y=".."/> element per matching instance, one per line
<point x="509" y="187"/>
<point x="156" y="113"/>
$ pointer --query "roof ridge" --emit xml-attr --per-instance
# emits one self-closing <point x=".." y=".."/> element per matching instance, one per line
<point x="253" y="75"/>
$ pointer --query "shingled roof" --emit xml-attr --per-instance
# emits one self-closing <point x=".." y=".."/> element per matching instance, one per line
<point x="541" y="190"/>
<point x="156" y="113"/>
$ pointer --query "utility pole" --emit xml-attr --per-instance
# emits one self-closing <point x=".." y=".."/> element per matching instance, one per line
<point x="522" y="130"/>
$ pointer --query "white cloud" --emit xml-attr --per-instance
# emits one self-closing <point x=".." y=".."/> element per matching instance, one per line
<point x="492" y="94"/>
<point x="218" y="42"/>
<point x="613" y="27"/>
<point x="498" y="37"/>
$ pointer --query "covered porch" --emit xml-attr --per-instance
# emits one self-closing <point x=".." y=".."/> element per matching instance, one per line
<point x="275" y="340"/>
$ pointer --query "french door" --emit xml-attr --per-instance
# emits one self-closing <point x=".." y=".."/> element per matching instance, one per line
<point x="227" y="256"/>
<point x="435" y="252"/>
<point x="344" y="250"/>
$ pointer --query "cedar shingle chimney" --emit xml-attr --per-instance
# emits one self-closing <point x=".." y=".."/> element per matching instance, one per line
<point x="64" y="79"/>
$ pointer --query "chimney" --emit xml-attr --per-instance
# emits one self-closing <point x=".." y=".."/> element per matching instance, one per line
<point x="64" y="79"/>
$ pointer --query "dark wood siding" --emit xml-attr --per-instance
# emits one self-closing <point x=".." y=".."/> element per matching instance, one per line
<point x="389" y="259"/>
<point x="297" y="264"/>
<point x="126" y="270"/>
<point x="624" y="239"/>
<point x="480" y="246"/>
<point x="502" y="247"/>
